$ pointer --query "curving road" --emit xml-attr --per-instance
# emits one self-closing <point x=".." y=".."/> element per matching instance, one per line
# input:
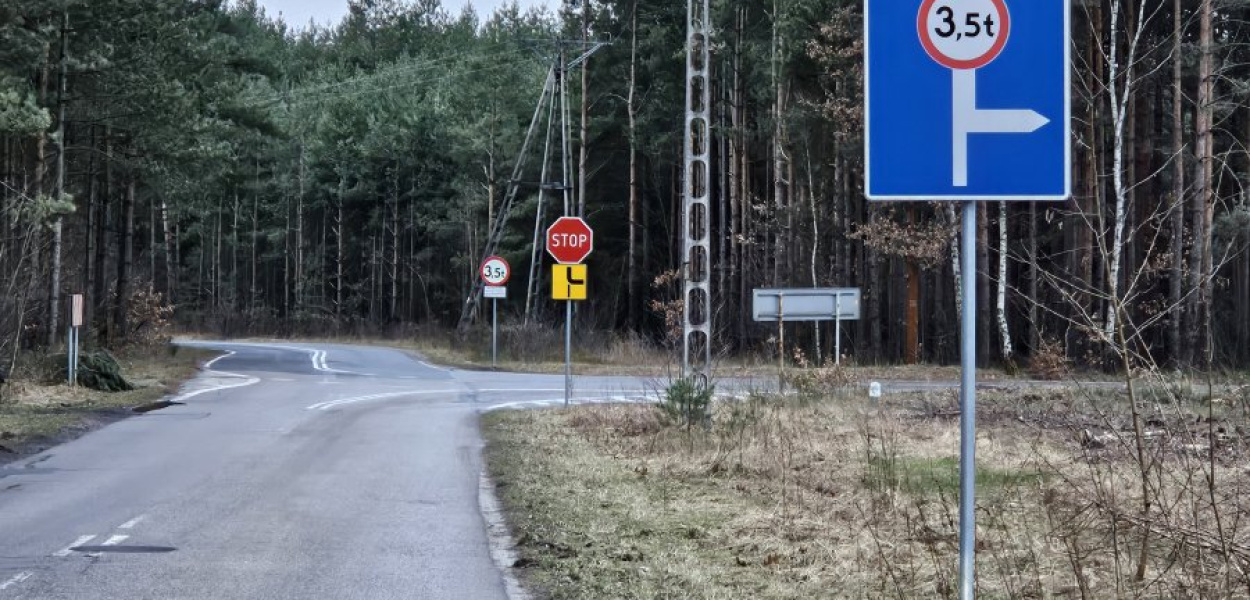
<point x="292" y="471"/>
<point x="289" y="471"/>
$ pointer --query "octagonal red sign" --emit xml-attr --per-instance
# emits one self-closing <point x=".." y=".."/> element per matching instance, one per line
<point x="570" y="240"/>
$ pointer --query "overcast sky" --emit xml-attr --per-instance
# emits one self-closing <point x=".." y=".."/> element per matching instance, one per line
<point x="298" y="12"/>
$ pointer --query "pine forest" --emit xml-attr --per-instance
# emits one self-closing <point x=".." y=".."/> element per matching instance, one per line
<point x="204" y="163"/>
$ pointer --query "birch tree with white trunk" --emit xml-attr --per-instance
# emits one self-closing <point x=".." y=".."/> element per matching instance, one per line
<point x="1121" y="81"/>
<point x="1004" y="329"/>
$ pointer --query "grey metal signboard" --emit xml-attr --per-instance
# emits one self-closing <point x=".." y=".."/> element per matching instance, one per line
<point x="806" y="304"/>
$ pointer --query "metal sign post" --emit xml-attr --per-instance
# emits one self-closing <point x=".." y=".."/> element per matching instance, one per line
<point x="495" y="273"/>
<point x="495" y="293"/>
<point x="1004" y="134"/>
<point x="569" y="240"/>
<point x="75" y="322"/>
<point x="568" y="352"/>
<point x="968" y="405"/>
<point x="837" y="330"/>
<point x="781" y="344"/>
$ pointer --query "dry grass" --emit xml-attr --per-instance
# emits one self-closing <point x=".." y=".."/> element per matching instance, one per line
<point x="838" y="499"/>
<point x="34" y="414"/>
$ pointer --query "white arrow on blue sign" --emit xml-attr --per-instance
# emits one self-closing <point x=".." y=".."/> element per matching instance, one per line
<point x="967" y="100"/>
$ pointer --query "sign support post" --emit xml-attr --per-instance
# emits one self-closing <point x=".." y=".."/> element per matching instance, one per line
<point x="495" y="273"/>
<point x="69" y="356"/>
<point x="75" y="322"/>
<point x="968" y="404"/>
<point x="837" y="330"/>
<point x="568" y="351"/>
<point x="781" y="344"/>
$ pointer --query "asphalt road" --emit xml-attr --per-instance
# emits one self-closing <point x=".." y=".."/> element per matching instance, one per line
<point x="292" y="471"/>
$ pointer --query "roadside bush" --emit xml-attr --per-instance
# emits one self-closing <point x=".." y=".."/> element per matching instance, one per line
<point x="819" y="383"/>
<point x="1048" y="361"/>
<point x="100" y="371"/>
<point x="687" y="402"/>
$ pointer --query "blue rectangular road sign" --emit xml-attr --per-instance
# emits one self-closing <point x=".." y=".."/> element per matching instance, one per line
<point x="967" y="100"/>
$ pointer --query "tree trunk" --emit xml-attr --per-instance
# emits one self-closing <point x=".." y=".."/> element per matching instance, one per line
<point x="101" y="232"/>
<point x="1004" y="330"/>
<point x="983" y="285"/>
<point x="125" y="256"/>
<point x="780" y="188"/>
<point x="94" y="216"/>
<point x="339" y="248"/>
<point x="300" y="284"/>
<point x="631" y="277"/>
<point x="253" y="292"/>
<point x="737" y="196"/>
<point x="911" y="342"/>
<point x="54" y="283"/>
<point x="1204" y="200"/>
<point x="1035" y="327"/>
<point x="1121" y="108"/>
<point x="953" y="219"/>
<point x="1176" y="280"/>
<point x="583" y="158"/>
<point x="38" y="191"/>
<point x="394" y="266"/>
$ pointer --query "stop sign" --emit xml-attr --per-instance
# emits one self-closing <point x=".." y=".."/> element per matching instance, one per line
<point x="570" y="240"/>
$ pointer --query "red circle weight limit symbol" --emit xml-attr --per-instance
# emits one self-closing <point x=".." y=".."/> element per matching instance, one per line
<point x="963" y="34"/>
<point x="496" y="271"/>
<point x="570" y="240"/>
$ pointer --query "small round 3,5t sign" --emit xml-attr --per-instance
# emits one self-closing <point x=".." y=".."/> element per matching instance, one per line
<point x="495" y="271"/>
<point x="963" y="34"/>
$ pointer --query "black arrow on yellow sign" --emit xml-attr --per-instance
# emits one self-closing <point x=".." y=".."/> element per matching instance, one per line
<point x="569" y="282"/>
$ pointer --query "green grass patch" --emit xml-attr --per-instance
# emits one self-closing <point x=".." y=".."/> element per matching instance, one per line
<point x="937" y="476"/>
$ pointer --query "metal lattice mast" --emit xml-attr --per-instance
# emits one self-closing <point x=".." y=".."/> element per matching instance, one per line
<point x="696" y="216"/>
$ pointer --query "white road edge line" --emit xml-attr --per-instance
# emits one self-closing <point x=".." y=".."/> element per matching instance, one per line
<point x="340" y="402"/>
<point x="575" y="401"/>
<point x="247" y="381"/>
<point x="66" y="551"/>
<point x="208" y="366"/>
<point x="633" y="399"/>
<point x="16" y="579"/>
<point x="499" y="537"/>
<point x="131" y="523"/>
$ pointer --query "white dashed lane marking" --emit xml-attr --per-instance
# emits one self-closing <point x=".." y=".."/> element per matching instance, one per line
<point x="66" y="551"/>
<point x="16" y="579"/>
<point x="131" y="523"/>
